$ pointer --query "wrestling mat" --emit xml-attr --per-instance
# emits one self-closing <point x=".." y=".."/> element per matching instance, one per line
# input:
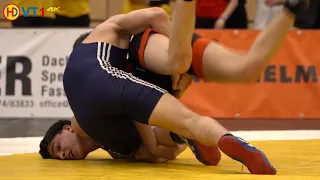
<point x="294" y="160"/>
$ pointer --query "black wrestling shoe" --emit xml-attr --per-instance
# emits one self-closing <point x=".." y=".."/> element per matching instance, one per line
<point x="297" y="5"/>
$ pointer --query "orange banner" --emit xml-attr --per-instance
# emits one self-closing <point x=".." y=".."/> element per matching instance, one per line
<point x="288" y="88"/>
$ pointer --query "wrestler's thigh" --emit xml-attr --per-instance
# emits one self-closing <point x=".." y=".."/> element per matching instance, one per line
<point x="156" y="54"/>
<point x="171" y="114"/>
<point x="150" y="50"/>
<point x="220" y="63"/>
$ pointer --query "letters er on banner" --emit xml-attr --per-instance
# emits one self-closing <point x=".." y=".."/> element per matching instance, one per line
<point x="11" y="11"/>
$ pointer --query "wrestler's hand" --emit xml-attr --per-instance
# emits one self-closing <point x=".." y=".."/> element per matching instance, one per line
<point x="184" y="82"/>
<point x="175" y="79"/>
<point x="143" y="154"/>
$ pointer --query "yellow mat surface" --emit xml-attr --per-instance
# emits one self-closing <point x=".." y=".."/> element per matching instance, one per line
<point x="293" y="159"/>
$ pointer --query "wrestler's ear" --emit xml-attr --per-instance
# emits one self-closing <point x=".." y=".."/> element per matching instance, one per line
<point x="68" y="128"/>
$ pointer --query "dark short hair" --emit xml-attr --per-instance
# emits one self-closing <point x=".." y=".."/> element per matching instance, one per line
<point x="80" y="39"/>
<point x="54" y="129"/>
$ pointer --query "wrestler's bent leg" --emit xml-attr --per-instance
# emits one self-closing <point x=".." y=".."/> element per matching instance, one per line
<point x="214" y="62"/>
<point x="205" y="154"/>
<point x="170" y="114"/>
<point x="223" y="64"/>
<point x="149" y="50"/>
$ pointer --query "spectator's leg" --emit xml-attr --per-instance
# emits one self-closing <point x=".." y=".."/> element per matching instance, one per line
<point x="61" y="21"/>
<point x="42" y="22"/>
<point x="82" y="21"/>
<point x="205" y="23"/>
<point x="22" y="22"/>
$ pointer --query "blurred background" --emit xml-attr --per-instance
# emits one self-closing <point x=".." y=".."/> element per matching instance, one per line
<point x="35" y="47"/>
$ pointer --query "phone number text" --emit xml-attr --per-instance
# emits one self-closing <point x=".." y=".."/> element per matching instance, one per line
<point x="14" y="103"/>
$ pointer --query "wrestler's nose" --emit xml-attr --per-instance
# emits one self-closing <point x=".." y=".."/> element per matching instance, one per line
<point x="62" y="155"/>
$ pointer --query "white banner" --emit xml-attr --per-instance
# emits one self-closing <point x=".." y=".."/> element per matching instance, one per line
<point x="32" y="63"/>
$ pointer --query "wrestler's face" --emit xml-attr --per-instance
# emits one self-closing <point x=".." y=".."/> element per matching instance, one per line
<point x="67" y="145"/>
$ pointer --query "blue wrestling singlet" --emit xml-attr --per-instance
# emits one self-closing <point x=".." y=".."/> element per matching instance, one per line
<point x="105" y="99"/>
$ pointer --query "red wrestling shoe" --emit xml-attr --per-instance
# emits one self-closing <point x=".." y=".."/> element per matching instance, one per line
<point x="250" y="156"/>
<point x="207" y="155"/>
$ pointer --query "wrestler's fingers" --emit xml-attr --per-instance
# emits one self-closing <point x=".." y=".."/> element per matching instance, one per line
<point x="160" y="160"/>
<point x="175" y="80"/>
<point x="185" y="81"/>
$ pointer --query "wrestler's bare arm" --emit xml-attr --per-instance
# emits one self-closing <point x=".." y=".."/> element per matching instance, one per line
<point x="144" y="154"/>
<point x="157" y="146"/>
<point x="180" y="50"/>
<point x="139" y="20"/>
<point x="150" y="141"/>
<point x="118" y="29"/>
